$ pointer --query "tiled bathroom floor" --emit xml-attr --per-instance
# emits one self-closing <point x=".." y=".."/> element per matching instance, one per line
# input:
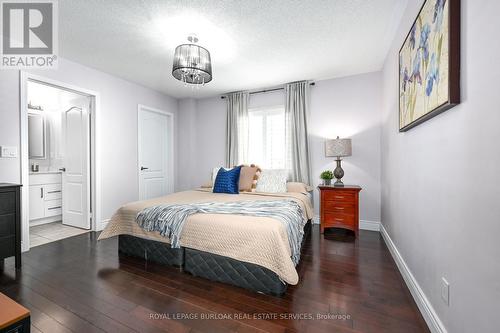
<point x="50" y="232"/>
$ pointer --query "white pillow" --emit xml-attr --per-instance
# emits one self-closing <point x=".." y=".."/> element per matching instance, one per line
<point x="272" y="181"/>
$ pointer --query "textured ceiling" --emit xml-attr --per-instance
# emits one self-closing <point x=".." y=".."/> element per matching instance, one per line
<point x="254" y="44"/>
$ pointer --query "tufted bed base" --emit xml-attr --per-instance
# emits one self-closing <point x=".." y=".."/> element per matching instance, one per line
<point x="207" y="265"/>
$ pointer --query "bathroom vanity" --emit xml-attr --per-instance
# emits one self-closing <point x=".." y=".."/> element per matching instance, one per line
<point x="45" y="193"/>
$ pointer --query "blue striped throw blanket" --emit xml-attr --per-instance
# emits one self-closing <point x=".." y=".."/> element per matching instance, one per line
<point x="169" y="219"/>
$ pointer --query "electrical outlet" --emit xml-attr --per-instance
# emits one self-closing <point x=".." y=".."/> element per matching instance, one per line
<point x="445" y="291"/>
<point x="8" y="151"/>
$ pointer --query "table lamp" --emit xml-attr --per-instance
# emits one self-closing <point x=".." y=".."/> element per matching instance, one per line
<point x="338" y="148"/>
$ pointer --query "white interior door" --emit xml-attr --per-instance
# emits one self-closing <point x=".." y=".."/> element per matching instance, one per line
<point x="154" y="134"/>
<point x="75" y="175"/>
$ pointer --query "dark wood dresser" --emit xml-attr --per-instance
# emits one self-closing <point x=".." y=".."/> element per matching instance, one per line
<point x="10" y="222"/>
<point x="339" y="207"/>
<point x="14" y="318"/>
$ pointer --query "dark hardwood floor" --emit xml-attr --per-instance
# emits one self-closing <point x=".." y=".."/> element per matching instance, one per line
<point x="81" y="285"/>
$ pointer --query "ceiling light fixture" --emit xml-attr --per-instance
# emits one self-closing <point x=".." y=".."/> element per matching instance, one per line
<point x="192" y="63"/>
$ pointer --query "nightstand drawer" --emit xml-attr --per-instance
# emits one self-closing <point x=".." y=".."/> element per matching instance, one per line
<point x="7" y="246"/>
<point x="7" y="225"/>
<point x="339" y="207"/>
<point x="338" y="219"/>
<point x="7" y="202"/>
<point x="339" y="196"/>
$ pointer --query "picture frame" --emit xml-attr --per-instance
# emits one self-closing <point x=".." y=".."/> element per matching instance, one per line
<point x="429" y="64"/>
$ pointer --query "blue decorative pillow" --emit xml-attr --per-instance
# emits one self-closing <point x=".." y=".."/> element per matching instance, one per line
<point x="227" y="181"/>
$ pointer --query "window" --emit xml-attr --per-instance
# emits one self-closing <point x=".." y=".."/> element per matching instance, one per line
<point x="267" y="143"/>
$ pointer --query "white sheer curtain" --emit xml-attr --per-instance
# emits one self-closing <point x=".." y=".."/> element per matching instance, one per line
<point x="237" y="128"/>
<point x="297" y="112"/>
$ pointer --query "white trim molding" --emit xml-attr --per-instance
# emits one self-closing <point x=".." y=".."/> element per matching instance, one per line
<point x="369" y="225"/>
<point x="95" y="135"/>
<point x="363" y="224"/>
<point x="431" y="318"/>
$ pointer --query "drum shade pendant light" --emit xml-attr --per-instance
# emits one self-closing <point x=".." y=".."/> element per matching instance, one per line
<point x="192" y="63"/>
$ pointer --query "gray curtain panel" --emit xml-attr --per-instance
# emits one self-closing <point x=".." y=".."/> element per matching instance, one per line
<point x="297" y="112"/>
<point x="236" y="128"/>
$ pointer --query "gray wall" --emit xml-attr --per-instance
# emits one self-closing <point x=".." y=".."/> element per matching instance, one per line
<point x="186" y="144"/>
<point x="349" y="107"/>
<point x="440" y="180"/>
<point x="119" y="99"/>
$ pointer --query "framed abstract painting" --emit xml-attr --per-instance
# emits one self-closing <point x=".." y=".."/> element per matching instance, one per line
<point x="429" y="64"/>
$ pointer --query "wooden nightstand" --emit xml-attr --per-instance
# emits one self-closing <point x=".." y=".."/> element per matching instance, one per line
<point x="339" y="207"/>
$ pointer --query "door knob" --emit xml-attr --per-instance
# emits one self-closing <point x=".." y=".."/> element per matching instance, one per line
<point x="143" y="168"/>
<point x="62" y="169"/>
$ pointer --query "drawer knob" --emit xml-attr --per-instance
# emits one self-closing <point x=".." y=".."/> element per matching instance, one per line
<point x="339" y="197"/>
<point x="339" y="208"/>
<point x="336" y="219"/>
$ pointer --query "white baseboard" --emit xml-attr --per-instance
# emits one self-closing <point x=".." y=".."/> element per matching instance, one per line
<point x="369" y="225"/>
<point x="431" y="318"/>
<point x="363" y="224"/>
<point x="103" y="224"/>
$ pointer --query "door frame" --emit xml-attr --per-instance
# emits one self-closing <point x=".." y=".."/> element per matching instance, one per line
<point x="94" y="186"/>
<point x="171" y="145"/>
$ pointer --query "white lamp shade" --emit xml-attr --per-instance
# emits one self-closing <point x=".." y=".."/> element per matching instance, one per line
<point x="338" y="147"/>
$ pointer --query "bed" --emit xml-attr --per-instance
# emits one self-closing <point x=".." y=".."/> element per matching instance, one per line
<point x="250" y="252"/>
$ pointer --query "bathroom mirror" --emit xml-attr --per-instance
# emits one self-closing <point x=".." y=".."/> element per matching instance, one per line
<point x="37" y="136"/>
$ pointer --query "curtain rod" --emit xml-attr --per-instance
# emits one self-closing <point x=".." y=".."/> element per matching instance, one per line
<point x="266" y="90"/>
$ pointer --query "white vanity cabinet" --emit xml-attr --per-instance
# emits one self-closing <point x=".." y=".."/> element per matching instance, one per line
<point x="37" y="205"/>
<point x="45" y="198"/>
